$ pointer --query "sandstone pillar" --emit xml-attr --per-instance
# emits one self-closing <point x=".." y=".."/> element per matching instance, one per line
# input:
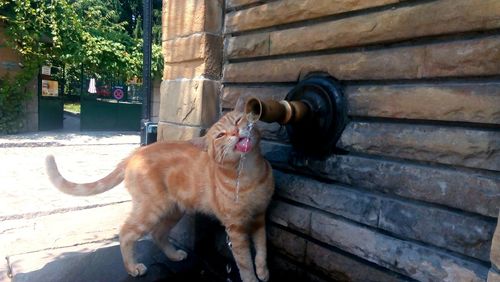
<point x="192" y="50"/>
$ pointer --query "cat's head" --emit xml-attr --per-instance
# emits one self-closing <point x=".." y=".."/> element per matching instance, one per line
<point x="231" y="137"/>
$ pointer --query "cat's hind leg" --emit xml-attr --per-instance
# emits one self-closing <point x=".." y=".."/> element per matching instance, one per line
<point x="140" y="221"/>
<point x="160" y="235"/>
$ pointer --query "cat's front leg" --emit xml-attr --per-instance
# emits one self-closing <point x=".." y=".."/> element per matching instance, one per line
<point x="241" y="252"/>
<point x="259" y="241"/>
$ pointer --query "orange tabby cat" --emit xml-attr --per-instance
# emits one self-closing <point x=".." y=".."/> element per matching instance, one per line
<point x="166" y="179"/>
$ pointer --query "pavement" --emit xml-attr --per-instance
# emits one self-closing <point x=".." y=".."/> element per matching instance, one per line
<point x="46" y="235"/>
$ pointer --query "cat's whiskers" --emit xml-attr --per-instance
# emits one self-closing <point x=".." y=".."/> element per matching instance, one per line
<point x="226" y="149"/>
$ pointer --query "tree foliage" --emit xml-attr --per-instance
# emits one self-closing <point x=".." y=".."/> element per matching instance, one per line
<point x="102" y="38"/>
<point x="103" y="35"/>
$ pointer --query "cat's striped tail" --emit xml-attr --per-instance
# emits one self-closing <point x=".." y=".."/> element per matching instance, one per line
<point x="84" y="189"/>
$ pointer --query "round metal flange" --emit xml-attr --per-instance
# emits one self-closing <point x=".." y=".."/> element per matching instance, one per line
<point x="317" y="133"/>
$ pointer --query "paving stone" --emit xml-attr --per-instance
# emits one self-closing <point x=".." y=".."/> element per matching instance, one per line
<point x="95" y="262"/>
<point x="25" y="186"/>
<point x="63" y="229"/>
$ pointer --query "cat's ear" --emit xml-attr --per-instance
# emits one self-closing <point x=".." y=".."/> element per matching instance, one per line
<point x="200" y="143"/>
<point x="240" y="104"/>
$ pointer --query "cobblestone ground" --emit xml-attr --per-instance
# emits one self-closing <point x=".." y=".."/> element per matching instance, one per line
<point x="36" y="217"/>
<point x="25" y="187"/>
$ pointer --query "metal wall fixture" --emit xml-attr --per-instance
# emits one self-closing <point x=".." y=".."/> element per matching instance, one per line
<point x="314" y="113"/>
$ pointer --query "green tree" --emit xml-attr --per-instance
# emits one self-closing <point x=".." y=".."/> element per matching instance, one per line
<point x="100" y="37"/>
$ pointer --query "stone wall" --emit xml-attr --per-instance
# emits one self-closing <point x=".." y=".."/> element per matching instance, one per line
<point x="155" y="103"/>
<point x="190" y="88"/>
<point x="9" y="66"/>
<point x="192" y="49"/>
<point x="417" y="195"/>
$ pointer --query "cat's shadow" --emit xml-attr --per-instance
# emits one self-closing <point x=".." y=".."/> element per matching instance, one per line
<point x="105" y="264"/>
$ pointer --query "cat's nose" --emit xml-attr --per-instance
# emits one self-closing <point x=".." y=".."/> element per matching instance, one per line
<point x="234" y="132"/>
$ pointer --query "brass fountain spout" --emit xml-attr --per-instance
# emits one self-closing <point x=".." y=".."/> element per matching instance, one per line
<point x="314" y="114"/>
<point x="282" y="112"/>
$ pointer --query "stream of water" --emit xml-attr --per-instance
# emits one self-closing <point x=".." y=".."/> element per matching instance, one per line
<point x="241" y="164"/>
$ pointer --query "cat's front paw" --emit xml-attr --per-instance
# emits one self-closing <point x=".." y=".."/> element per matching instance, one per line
<point x="137" y="270"/>
<point x="178" y="255"/>
<point x="263" y="273"/>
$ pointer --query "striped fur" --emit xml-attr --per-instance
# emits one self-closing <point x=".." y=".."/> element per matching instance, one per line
<point x="167" y="179"/>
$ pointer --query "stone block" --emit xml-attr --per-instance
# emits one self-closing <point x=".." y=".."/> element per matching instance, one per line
<point x="283" y="268"/>
<point x="231" y="94"/>
<point x="273" y="131"/>
<point x="197" y="69"/>
<point x="474" y="57"/>
<point x="466" y="58"/>
<point x="287" y="243"/>
<point x="446" y="145"/>
<point x="410" y="259"/>
<point x="282" y="12"/>
<point x="471" y="102"/>
<point x="468" y="102"/>
<point x="398" y="63"/>
<point x="168" y="131"/>
<point x="190" y="102"/>
<point x="254" y="45"/>
<point x="465" y="234"/>
<point x="448" y="187"/>
<point x="290" y="216"/>
<point x="399" y="24"/>
<point x="358" y="206"/>
<point x="277" y="153"/>
<point x="199" y="46"/>
<point x="340" y="267"/>
<point x="236" y="3"/>
<point x="181" y="18"/>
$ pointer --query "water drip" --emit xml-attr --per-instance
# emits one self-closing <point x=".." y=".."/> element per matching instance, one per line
<point x="228" y="242"/>
<point x="241" y="164"/>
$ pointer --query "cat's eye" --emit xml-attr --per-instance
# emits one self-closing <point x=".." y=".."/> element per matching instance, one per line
<point x="220" y="135"/>
<point x="237" y="121"/>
